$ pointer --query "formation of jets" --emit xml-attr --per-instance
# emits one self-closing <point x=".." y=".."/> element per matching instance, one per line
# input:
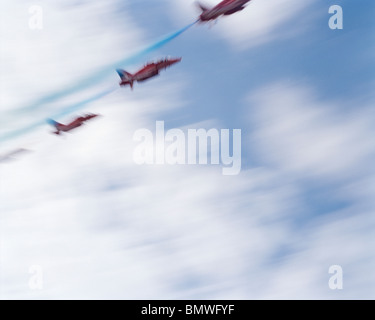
<point x="152" y="69"/>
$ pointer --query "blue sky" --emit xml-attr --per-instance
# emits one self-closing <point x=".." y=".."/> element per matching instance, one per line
<point x="82" y="210"/>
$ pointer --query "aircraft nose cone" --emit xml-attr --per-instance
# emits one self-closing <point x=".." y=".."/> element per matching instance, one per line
<point x="176" y="60"/>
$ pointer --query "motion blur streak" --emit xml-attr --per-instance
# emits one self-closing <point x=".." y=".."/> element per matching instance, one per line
<point x="64" y="111"/>
<point x="79" y="105"/>
<point x="99" y="75"/>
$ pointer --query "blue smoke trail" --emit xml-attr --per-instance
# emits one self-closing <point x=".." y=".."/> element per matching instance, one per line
<point x="100" y="74"/>
<point x="79" y="105"/>
<point x="64" y="111"/>
<point x="84" y="84"/>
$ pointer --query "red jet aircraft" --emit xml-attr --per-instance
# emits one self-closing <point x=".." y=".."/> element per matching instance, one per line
<point x="226" y="8"/>
<point x="148" y="71"/>
<point x="74" y="124"/>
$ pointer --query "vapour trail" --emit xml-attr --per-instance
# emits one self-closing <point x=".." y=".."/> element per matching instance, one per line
<point x="98" y="75"/>
<point x="64" y="111"/>
<point x="84" y="84"/>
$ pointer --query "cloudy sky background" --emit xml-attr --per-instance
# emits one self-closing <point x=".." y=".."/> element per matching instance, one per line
<point x="101" y="227"/>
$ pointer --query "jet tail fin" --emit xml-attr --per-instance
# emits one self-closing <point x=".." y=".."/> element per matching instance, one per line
<point x="53" y="123"/>
<point x="124" y="75"/>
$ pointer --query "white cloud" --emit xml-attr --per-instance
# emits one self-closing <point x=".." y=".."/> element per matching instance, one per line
<point x="298" y="133"/>
<point x="343" y="239"/>
<point x="308" y="141"/>
<point x="127" y="228"/>
<point x="75" y="41"/>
